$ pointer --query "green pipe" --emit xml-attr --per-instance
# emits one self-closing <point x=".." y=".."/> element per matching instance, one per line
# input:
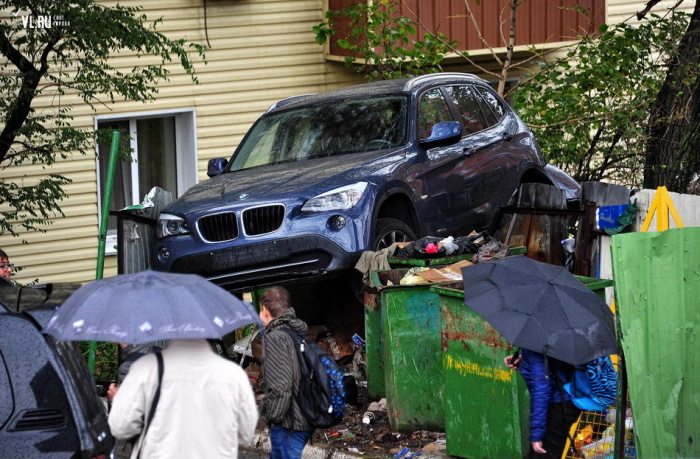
<point x="102" y="241"/>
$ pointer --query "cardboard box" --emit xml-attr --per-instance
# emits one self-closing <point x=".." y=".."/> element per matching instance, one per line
<point x="451" y="272"/>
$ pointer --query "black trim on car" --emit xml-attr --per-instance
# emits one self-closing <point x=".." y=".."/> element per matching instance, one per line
<point x="250" y="266"/>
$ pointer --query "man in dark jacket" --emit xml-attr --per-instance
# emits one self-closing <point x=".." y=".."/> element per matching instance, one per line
<point x="551" y="410"/>
<point x="289" y="431"/>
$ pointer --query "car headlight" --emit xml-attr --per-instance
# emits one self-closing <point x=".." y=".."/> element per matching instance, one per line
<point x="171" y="225"/>
<point x="342" y="198"/>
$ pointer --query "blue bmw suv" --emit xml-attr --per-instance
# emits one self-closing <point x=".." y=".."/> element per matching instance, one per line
<point x="318" y="179"/>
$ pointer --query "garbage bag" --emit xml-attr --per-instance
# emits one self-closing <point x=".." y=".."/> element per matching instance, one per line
<point x="471" y="243"/>
<point x="417" y="249"/>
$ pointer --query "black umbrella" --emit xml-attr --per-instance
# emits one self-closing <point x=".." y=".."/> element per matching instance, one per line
<point x="541" y="307"/>
<point x="149" y="306"/>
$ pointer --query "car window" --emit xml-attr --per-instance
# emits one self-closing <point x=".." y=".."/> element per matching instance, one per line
<point x="469" y="105"/>
<point x="432" y="109"/>
<point x="493" y="108"/>
<point x="329" y="129"/>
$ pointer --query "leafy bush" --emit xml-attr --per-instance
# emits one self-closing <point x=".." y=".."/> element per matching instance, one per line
<point x="590" y="109"/>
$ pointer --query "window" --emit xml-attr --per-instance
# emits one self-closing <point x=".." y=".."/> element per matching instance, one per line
<point x="469" y="105"/>
<point x="332" y="129"/>
<point x="432" y="109"/>
<point x="163" y="155"/>
<point x="492" y="103"/>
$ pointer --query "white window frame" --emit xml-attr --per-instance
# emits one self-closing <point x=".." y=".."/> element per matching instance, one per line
<point x="186" y="155"/>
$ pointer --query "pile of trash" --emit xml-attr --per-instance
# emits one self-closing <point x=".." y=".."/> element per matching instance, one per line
<point x="482" y="246"/>
<point x="435" y="247"/>
<point x="365" y="427"/>
<point x="365" y="430"/>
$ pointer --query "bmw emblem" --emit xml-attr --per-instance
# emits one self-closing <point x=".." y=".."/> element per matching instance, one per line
<point x="242" y="197"/>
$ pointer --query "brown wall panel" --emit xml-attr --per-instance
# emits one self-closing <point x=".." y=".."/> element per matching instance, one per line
<point x="537" y="21"/>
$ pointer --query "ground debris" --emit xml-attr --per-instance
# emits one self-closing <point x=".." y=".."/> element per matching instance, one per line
<point x="375" y="439"/>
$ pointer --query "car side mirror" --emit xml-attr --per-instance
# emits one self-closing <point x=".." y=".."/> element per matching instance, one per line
<point x="444" y="133"/>
<point x="216" y="166"/>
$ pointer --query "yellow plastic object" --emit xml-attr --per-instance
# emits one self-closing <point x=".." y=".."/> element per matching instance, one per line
<point x="584" y="437"/>
<point x="661" y="205"/>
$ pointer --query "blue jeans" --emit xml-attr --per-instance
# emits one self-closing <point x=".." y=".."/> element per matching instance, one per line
<point x="286" y="443"/>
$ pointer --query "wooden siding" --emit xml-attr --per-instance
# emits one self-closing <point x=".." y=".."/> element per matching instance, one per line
<point x="261" y="51"/>
<point x="539" y="22"/>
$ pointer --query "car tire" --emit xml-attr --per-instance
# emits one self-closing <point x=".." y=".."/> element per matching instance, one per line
<point x="389" y="231"/>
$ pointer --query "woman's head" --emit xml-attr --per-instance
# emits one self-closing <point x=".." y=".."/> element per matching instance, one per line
<point x="5" y="266"/>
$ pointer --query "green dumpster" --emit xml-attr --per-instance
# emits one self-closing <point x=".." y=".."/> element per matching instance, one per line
<point x="596" y="284"/>
<point x="373" y="346"/>
<point x="403" y="352"/>
<point x="486" y="405"/>
<point x="485" y="402"/>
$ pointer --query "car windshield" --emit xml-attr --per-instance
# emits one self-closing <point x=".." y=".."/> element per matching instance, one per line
<point x="333" y="128"/>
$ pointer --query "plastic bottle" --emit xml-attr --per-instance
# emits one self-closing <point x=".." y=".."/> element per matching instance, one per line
<point x="368" y="417"/>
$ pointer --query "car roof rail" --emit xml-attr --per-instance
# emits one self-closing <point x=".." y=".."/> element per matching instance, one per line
<point x="415" y="81"/>
<point x="286" y="100"/>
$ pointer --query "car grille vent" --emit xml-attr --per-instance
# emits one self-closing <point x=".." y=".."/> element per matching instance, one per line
<point x="263" y="220"/>
<point x="218" y="227"/>
<point x="39" y="420"/>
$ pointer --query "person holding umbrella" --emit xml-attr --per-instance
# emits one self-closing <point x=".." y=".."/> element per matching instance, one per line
<point x="185" y="401"/>
<point x="557" y="322"/>
<point x="206" y="406"/>
<point x="128" y="354"/>
<point x="551" y="410"/>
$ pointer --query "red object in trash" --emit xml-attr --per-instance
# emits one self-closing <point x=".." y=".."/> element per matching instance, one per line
<point x="431" y="248"/>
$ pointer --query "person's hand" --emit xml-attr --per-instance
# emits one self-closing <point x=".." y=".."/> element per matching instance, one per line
<point x="537" y="447"/>
<point x="112" y="391"/>
<point x="512" y="364"/>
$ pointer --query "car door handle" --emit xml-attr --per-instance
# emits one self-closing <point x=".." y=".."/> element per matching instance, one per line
<point x="469" y="151"/>
<point x="507" y="137"/>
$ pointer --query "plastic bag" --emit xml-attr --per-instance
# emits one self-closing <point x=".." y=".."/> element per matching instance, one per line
<point x="449" y="244"/>
<point x="491" y="250"/>
<point x="412" y="278"/>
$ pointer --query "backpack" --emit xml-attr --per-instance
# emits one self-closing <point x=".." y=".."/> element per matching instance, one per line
<point x="593" y="386"/>
<point x="321" y="395"/>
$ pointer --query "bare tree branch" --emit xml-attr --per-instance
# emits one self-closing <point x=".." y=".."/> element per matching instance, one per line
<point x="486" y="44"/>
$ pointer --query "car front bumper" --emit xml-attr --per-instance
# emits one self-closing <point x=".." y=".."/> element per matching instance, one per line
<point x="247" y="267"/>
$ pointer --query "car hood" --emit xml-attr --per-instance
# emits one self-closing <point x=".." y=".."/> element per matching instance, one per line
<point x="301" y="180"/>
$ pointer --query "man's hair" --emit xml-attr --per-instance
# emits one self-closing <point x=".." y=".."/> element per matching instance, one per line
<point x="3" y="254"/>
<point x="276" y="300"/>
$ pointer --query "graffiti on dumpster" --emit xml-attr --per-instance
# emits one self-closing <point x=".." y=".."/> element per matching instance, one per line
<point x="471" y="368"/>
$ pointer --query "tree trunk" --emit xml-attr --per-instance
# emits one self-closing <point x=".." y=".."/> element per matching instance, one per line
<point x="672" y="149"/>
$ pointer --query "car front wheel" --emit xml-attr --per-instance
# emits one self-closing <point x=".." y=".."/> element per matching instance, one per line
<point x="389" y="231"/>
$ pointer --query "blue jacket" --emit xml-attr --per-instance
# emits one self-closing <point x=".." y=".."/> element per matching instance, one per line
<point x="544" y="389"/>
